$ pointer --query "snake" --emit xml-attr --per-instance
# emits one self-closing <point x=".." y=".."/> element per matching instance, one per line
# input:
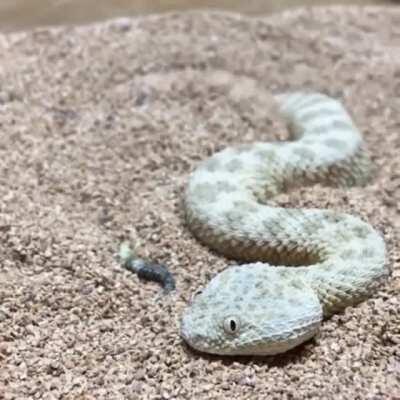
<point x="297" y="266"/>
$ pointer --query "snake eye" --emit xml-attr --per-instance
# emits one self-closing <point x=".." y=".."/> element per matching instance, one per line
<point x="231" y="325"/>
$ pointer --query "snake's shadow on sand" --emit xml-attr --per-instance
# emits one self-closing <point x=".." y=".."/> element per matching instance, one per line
<point x="279" y="360"/>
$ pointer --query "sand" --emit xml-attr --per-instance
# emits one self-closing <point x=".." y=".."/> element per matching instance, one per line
<point x="100" y="126"/>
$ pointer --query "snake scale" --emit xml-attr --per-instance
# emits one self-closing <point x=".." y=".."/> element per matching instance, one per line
<point x="302" y="264"/>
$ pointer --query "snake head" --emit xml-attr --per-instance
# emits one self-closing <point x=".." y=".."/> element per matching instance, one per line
<point x="253" y="309"/>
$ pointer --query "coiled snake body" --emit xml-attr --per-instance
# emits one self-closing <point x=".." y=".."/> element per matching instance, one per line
<point x="323" y="261"/>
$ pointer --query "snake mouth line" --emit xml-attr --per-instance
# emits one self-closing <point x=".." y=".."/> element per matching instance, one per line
<point x="276" y="342"/>
<point x="259" y="347"/>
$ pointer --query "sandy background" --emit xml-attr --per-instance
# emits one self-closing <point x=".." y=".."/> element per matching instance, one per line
<point x="22" y="14"/>
<point x="100" y="127"/>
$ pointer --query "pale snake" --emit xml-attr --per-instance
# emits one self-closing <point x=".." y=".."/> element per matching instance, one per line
<point x="323" y="261"/>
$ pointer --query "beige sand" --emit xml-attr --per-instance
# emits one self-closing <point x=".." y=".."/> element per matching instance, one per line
<point x="22" y="14"/>
<point x="99" y="128"/>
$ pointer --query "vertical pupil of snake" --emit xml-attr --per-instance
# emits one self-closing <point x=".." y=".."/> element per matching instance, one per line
<point x="232" y="325"/>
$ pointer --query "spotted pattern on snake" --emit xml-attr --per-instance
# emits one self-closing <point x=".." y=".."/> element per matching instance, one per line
<point x="302" y="264"/>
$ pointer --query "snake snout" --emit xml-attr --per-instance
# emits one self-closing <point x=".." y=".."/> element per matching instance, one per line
<point x="194" y="333"/>
<point x="187" y="331"/>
